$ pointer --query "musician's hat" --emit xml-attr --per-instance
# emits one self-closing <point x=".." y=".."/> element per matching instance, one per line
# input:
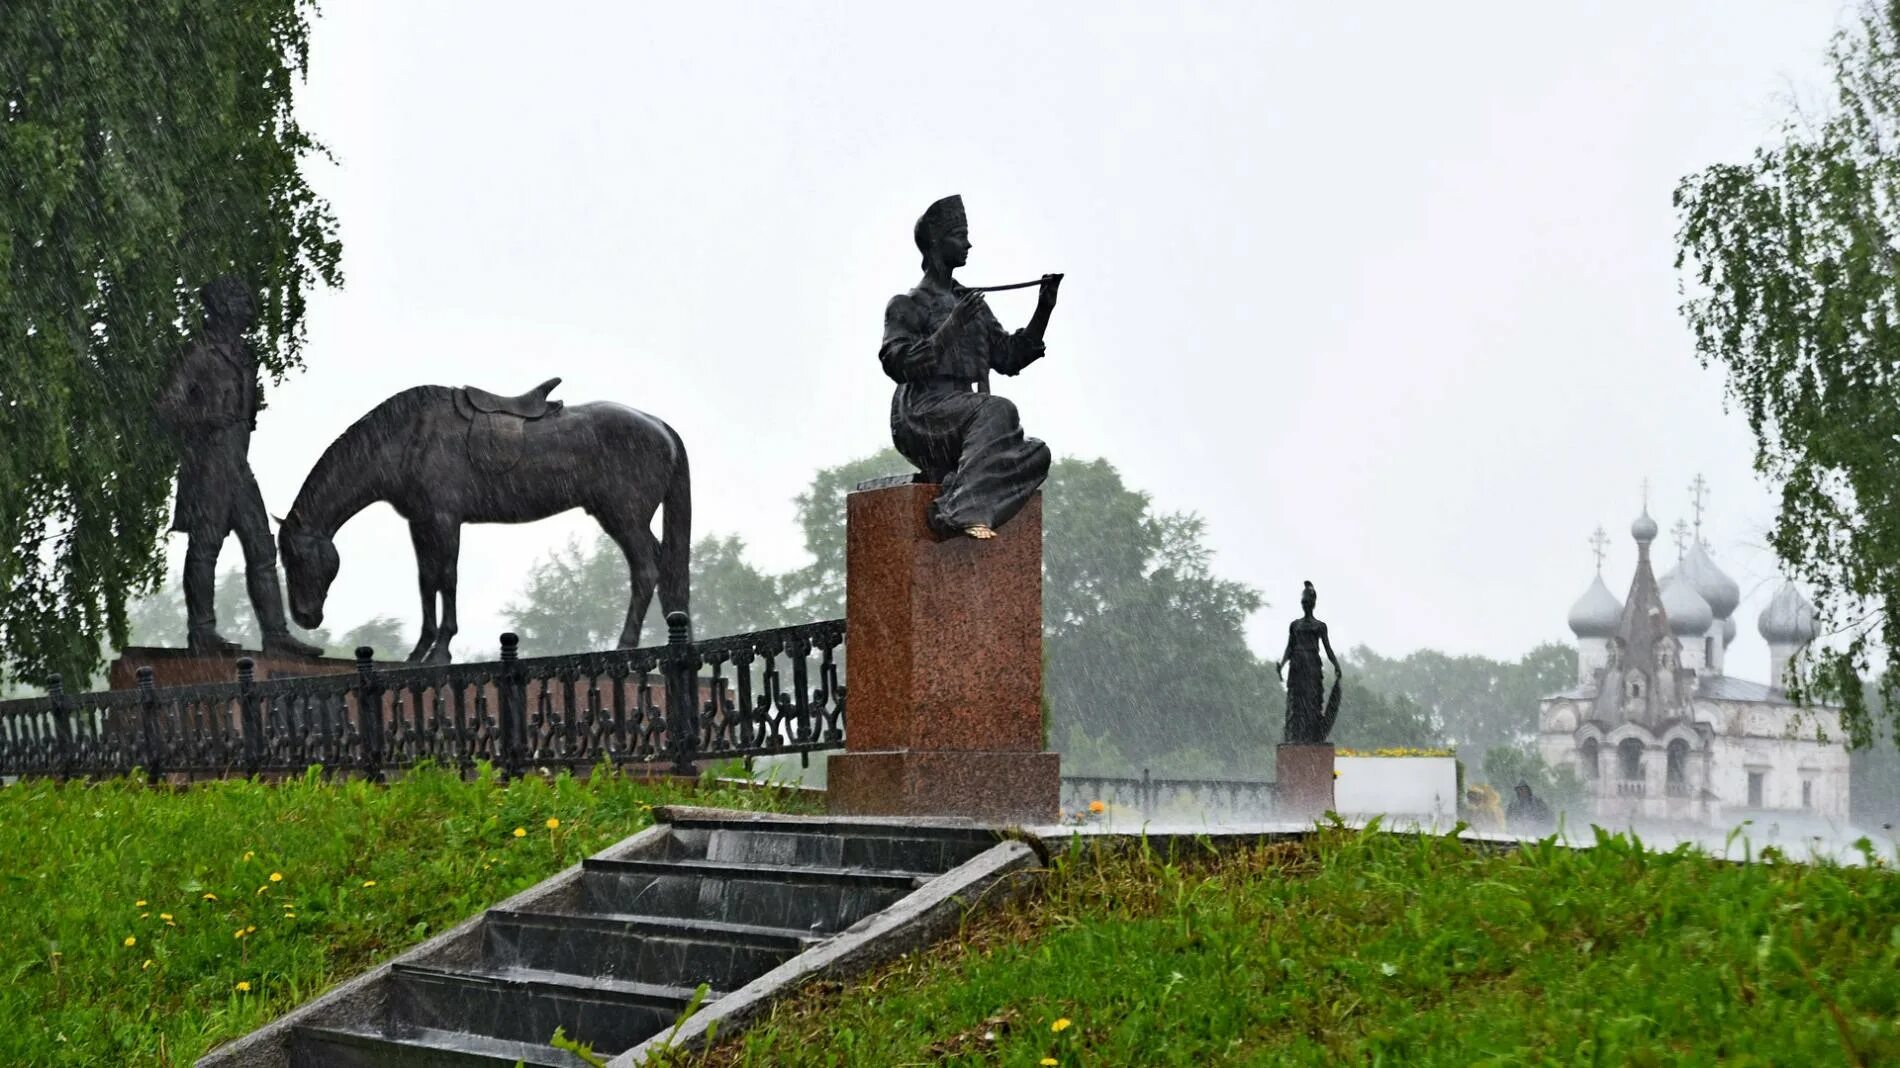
<point x="937" y="220"/>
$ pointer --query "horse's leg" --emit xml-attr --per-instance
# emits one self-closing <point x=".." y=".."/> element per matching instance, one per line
<point x="427" y="570"/>
<point x="642" y="551"/>
<point x="451" y="548"/>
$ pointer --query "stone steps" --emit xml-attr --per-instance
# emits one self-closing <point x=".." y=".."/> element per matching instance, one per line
<point x="612" y="952"/>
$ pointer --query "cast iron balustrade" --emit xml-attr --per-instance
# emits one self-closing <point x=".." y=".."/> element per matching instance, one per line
<point x="1153" y="797"/>
<point x="1631" y="788"/>
<point x="774" y="691"/>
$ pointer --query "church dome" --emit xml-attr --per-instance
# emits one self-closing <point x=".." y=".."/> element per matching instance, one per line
<point x="1596" y="613"/>
<point x="1644" y="529"/>
<point x="1788" y="619"/>
<point x="1689" y="615"/>
<point x="1708" y="580"/>
<point x="1728" y="631"/>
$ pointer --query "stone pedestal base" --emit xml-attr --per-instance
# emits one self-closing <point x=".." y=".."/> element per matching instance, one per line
<point x="182" y="667"/>
<point x="992" y="787"/>
<point x="1303" y="789"/>
<point x="945" y="675"/>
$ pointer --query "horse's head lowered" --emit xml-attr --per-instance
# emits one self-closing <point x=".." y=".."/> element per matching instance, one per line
<point x="310" y="565"/>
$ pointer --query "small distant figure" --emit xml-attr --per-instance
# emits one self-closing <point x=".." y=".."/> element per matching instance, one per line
<point x="1528" y="811"/>
<point x="1309" y="713"/>
<point x="1482" y="810"/>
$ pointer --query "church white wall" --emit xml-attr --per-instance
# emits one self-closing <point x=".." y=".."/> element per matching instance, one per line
<point x="1781" y="743"/>
<point x="1692" y="653"/>
<point x="1592" y="655"/>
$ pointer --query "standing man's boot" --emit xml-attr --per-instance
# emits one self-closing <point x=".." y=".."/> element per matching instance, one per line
<point x="267" y="600"/>
<point x="201" y="609"/>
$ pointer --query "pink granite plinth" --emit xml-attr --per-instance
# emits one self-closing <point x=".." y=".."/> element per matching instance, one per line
<point x="1303" y="788"/>
<point x="945" y="712"/>
<point x="992" y="787"/>
<point x="182" y="667"/>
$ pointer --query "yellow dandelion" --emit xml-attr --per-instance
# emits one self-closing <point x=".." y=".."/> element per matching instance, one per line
<point x="166" y="916"/>
<point x="248" y="930"/>
<point x="145" y="966"/>
<point x="145" y="915"/>
<point x="290" y="915"/>
<point x="244" y="986"/>
<point x="239" y="933"/>
<point x="210" y="897"/>
<point x="1097" y="807"/>
<point x="277" y="876"/>
<point x="521" y="832"/>
<point x="130" y="941"/>
<point x="367" y="883"/>
<point x="1048" y="1061"/>
<point x="139" y="904"/>
<point x="553" y="823"/>
<point x="248" y="854"/>
<point x="1060" y="1025"/>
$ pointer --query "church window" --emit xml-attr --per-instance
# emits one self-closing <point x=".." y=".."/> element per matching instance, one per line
<point x="1807" y="793"/>
<point x="1635" y="687"/>
<point x="1629" y="755"/>
<point x="1590" y="769"/>
<point x="1757" y="782"/>
<point x="1678" y="768"/>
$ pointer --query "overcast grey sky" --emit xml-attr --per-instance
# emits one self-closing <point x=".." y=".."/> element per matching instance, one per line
<point x="1384" y="291"/>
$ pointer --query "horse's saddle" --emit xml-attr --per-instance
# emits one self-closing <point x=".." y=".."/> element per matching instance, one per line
<point x="498" y="425"/>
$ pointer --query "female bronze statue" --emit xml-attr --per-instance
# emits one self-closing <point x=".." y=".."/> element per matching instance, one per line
<point x="1307" y="723"/>
<point x="940" y="344"/>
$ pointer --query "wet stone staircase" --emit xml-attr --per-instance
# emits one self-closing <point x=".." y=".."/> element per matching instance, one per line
<point x="613" y="952"/>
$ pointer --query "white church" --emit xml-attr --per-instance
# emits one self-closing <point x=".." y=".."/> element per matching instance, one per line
<point x="1655" y="727"/>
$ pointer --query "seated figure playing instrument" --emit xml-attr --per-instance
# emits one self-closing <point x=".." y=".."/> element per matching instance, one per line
<point x="941" y="341"/>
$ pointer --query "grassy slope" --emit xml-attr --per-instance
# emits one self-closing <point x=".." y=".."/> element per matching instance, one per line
<point x="1376" y="949"/>
<point x="322" y="880"/>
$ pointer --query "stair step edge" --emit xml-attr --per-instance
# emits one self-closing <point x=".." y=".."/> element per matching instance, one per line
<point x="435" y="1039"/>
<point x="745" y="934"/>
<point x="560" y="982"/>
<point x="786" y="872"/>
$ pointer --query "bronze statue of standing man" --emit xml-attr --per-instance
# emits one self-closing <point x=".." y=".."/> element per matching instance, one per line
<point x="941" y="341"/>
<point x="211" y="403"/>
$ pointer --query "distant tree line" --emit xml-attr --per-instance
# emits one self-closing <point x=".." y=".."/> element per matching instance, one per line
<point x="1147" y="660"/>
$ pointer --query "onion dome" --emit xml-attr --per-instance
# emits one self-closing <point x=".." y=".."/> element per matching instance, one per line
<point x="1708" y="580"/>
<point x="1689" y="615"/>
<point x="1788" y="619"/>
<point x="1728" y="631"/>
<point x="1644" y="529"/>
<point x="1596" y="613"/>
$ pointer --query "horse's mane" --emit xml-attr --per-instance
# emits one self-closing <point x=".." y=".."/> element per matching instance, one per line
<point x="365" y="439"/>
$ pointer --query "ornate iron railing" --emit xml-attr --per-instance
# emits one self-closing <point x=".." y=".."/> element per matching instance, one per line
<point x="1160" y="798"/>
<point x="774" y="691"/>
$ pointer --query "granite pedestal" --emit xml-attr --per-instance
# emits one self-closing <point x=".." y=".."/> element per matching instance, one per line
<point x="945" y="671"/>
<point x="182" y="667"/>
<point x="1303" y="789"/>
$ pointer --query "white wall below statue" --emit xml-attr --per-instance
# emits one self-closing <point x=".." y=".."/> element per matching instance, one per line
<point x="1421" y="788"/>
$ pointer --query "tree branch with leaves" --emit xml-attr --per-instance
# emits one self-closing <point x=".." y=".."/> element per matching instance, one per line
<point x="1791" y="283"/>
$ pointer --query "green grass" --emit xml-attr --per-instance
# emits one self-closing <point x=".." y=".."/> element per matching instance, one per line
<point x="274" y="892"/>
<point x="1356" y="948"/>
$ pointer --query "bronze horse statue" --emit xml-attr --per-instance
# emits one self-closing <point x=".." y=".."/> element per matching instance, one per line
<point x="443" y="457"/>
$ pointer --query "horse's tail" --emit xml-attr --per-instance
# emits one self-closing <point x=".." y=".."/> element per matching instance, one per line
<point x="676" y="533"/>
